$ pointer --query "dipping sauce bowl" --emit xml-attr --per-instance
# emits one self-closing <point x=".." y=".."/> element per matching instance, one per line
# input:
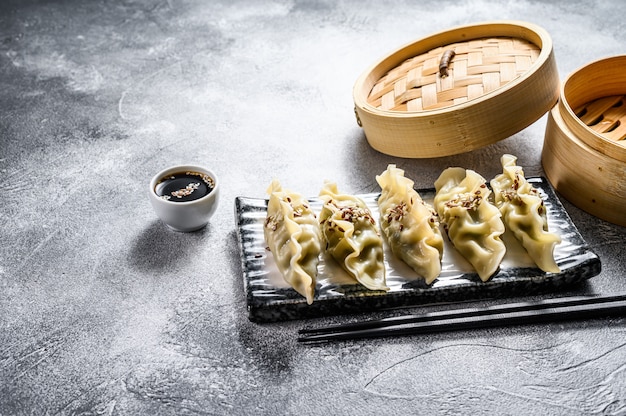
<point x="184" y="197"/>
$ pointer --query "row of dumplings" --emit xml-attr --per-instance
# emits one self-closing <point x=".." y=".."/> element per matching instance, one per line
<point x="473" y="217"/>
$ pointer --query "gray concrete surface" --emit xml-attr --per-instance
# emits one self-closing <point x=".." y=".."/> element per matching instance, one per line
<point x="105" y="311"/>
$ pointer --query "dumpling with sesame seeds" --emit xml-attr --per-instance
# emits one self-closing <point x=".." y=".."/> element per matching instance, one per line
<point x="473" y="224"/>
<point x="524" y="214"/>
<point x="293" y="235"/>
<point x="409" y="224"/>
<point x="352" y="237"/>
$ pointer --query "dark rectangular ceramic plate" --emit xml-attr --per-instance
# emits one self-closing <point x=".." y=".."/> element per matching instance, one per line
<point x="270" y="299"/>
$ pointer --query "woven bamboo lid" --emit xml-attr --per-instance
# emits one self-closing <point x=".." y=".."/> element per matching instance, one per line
<point x="584" y="150"/>
<point x="458" y="90"/>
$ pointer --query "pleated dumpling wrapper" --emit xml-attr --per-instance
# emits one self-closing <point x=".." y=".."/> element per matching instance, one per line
<point x="473" y="224"/>
<point x="293" y="235"/>
<point x="352" y="237"/>
<point x="410" y="225"/>
<point x="524" y="214"/>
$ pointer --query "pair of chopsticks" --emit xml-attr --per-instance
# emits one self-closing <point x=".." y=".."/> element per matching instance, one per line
<point x="549" y="310"/>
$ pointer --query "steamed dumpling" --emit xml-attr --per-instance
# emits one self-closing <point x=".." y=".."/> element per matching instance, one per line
<point x="410" y="225"/>
<point x="293" y="236"/>
<point x="473" y="224"/>
<point x="524" y="214"/>
<point x="352" y="238"/>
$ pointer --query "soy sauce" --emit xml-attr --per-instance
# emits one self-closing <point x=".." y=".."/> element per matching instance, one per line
<point x="184" y="186"/>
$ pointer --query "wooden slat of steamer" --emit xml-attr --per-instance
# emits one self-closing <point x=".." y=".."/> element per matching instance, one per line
<point x="592" y="111"/>
<point x="606" y="116"/>
<point x="618" y="116"/>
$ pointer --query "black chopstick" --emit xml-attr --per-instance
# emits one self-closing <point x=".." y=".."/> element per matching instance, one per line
<point x="466" y="312"/>
<point x="549" y="310"/>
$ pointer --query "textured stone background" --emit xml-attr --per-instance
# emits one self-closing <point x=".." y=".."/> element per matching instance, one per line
<point x="105" y="311"/>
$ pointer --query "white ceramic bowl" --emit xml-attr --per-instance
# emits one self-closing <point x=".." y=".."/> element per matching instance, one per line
<point x="184" y="216"/>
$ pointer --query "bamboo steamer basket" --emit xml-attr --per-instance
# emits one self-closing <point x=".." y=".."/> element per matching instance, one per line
<point x="502" y="78"/>
<point x="584" y="151"/>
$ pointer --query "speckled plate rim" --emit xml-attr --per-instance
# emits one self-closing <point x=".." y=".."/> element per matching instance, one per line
<point x="267" y="302"/>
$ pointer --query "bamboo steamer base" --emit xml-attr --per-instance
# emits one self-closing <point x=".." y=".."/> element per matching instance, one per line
<point x="517" y="85"/>
<point x="588" y="178"/>
<point x="593" y="105"/>
<point x="584" y="152"/>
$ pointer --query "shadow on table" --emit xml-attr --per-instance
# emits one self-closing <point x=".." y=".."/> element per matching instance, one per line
<point x="158" y="247"/>
<point x="272" y="345"/>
